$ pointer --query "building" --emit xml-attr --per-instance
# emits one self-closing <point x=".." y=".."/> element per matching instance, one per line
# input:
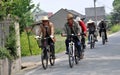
<point x="90" y="13"/>
<point x="59" y="18"/>
<point x="37" y="15"/>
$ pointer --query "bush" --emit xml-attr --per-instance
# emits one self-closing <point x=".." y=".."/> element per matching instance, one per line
<point x="115" y="28"/>
<point x="58" y="31"/>
<point x="11" y="42"/>
<point x="4" y="53"/>
<point x="25" y="47"/>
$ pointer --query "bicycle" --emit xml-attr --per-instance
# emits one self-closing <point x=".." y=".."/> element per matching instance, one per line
<point x="92" y="40"/>
<point x="73" y="52"/>
<point x="46" y="54"/>
<point x="103" y="36"/>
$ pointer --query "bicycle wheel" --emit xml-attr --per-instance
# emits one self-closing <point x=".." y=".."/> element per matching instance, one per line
<point x="44" y="58"/>
<point x="103" y="38"/>
<point x="76" y="56"/>
<point x="52" y="61"/>
<point x="71" y="57"/>
<point x="91" y="41"/>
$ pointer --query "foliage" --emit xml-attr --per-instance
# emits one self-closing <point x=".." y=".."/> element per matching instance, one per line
<point x="115" y="28"/>
<point x="116" y="13"/>
<point x="4" y="53"/>
<point x="58" y="31"/>
<point x="19" y="8"/>
<point x="59" y="45"/>
<point x="11" y="42"/>
<point x="25" y="48"/>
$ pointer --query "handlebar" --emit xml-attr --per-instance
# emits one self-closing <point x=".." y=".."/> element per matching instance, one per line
<point x="65" y="35"/>
<point x="38" y="37"/>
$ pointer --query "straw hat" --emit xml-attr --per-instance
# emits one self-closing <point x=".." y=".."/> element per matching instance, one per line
<point x="69" y="16"/>
<point x="45" y="18"/>
<point x="90" y="21"/>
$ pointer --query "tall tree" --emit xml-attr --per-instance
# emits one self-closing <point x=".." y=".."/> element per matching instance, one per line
<point x="116" y="12"/>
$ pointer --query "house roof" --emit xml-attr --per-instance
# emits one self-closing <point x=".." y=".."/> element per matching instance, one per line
<point x="75" y="13"/>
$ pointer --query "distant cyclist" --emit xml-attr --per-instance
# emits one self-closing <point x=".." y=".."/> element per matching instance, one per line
<point x="91" y="29"/>
<point x="83" y="27"/>
<point x="103" y="25"/>
<point x="72" y="27"/>
<point x="47" y="30"/>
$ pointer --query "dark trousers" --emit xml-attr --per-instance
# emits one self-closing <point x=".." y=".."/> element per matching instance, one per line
<point x="77" y="45"/>
<point x="52" y="46"/>
<point x="91" y="32"/>
<point x="104" y="32"/>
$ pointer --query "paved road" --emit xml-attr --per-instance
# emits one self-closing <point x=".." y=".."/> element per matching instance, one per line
<point x="103" y="60"/>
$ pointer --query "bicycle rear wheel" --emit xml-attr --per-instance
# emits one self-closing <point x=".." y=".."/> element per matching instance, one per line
<point x="44" y="59"/>
<point x="52" y="61"/>
<point x="91" y="41"/>
<point x="103" y="38"/>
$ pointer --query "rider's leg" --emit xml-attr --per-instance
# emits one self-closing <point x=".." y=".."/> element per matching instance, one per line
<point x="67" y="45"/>
<point x="89" y="38"/>
<point x="95" y="35"/>
<point x="52" y="49"/>
<point x="77" y="44"/>
<point x="83" y="41"/>
<point x="100" y="33"/>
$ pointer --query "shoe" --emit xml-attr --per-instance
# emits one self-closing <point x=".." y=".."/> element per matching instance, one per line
<point x="84" y="46"/>
<point x="88" y="43"/>
<point x="106" y="40"/>
<point x="66" y="52"/>
<point x="82" y="56"/>
<point x="96" y="40"/>
<point x="53" y="57"/>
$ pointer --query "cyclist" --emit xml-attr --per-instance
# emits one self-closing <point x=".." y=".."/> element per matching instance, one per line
<point x="83" y="27"/>
<point x="72" y="27"/>
<point x="47" y="30"/>
<point x="102" y="25"/>
<point x="91" y="29"/>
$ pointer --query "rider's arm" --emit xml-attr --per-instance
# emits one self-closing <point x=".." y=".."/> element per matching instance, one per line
<point x="64" y="31"/>
<point x="52" y="29"/>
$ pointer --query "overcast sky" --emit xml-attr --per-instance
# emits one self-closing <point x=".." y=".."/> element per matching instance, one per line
<point x="77" y="5"/>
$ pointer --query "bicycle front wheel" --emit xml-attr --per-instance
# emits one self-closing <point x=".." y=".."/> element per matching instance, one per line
<point x="44" y="58"/>
<point x="71" y="57"/>
<point x="52" y="61"/>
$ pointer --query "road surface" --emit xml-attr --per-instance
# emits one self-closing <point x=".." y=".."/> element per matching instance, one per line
<point x="103" y="60"/>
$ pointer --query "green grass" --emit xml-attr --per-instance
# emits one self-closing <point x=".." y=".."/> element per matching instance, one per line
<point x="115" y="28"/>
<point x="25" y="48"/>
<point x="59" y="45"/>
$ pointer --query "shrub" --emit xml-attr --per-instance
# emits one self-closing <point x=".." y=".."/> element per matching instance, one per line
<point x="4" y="53"/>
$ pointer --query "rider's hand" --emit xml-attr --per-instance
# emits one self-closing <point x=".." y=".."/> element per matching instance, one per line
<point x="78" y="34"/>
<point x="51" y="36"/>
<point x="37" y="37"/>
<point x="63" y="35"/>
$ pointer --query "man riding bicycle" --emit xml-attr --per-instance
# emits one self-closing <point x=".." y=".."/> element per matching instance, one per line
<point x="47" y="30"/>
<point x="71" y="27"/>
<point x="103" y="25"/>
<point x="83" y="27"/>
<point x="91" y="29"/>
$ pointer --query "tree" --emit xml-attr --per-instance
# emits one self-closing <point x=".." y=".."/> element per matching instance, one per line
<point x="116" y="12"/>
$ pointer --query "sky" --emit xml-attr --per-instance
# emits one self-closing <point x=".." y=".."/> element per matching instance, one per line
<point x="77" y="5"/>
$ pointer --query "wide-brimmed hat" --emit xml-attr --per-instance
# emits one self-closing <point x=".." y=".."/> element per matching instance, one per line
<point x="69" y="16"/>
<point x="90" y="21"/>
<point x="45" y="18"/>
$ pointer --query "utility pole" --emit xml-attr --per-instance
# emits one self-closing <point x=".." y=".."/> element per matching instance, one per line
<point x="95" y="11"/>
